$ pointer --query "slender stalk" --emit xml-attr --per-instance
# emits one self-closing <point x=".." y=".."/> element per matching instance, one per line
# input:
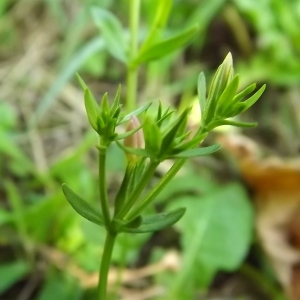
<point x="158" y="188"/>
<point x="140" y="186"/>
<point x="132" y="73"/>
<point x="105" y="263"/>
<point x="102" y="185"/>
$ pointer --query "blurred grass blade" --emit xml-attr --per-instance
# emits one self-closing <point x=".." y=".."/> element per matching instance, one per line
<point x="112" y="32"/>
<point x="67" y="72"/>
<point x="167" y="46"/>
<point x="11" y="273"/>
<point x="82" y="207"/>
<point x="201" y="89"/>
<point x="157" y="222"/>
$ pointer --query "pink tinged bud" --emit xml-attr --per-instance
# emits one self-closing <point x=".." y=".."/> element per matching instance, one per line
<point x="136" y="140"/>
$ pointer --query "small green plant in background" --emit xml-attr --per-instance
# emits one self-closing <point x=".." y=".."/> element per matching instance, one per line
<point x="165" y="136"/>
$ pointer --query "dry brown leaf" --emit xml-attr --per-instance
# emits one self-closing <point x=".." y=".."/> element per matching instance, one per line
<point x="276" y="186"/>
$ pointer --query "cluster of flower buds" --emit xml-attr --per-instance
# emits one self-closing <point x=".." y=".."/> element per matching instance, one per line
<point x="165" y="136"/>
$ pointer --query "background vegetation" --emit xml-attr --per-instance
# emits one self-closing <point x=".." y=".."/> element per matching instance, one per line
<point x="45" y="248"/>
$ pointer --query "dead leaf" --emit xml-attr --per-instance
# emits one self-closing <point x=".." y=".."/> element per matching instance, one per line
<point x="276" y="186"/>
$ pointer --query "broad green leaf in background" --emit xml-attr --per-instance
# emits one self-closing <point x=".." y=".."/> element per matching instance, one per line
<point x="112" y="32"/>
<point x="11" y="273"/>
<point x="167" y="46"/>
<point x="217" y="232"/>
<point x="5" y="217"/>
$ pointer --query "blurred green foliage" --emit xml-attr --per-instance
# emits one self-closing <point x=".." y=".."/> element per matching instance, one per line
<point x="263" y="36"/>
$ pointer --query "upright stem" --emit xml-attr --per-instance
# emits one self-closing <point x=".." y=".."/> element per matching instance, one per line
<point x="132" y="73"/>
<point x="105" y="263"/>
<point x="102" y="185"/>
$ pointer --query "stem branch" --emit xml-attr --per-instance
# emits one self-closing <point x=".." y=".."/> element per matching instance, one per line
<point x="146" y="177"/>
<point x="158" y="188"/>
<point x="132" y="72"/>
<point x="102" y="185"/>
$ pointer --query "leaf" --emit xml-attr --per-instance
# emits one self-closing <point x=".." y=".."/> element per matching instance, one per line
<point x="112" y="33"/>
<point x="162" y="13"/>
<point x="169" y="136"/>
<point x="225" y="100"/>
<point x="5" y="217"/>
<point x="197" y="152"/>
<point x="11" y="273"/>
<point x="167" y="46"/>
<point x="91" y="108"/>
<point x="82" y="207"/>
<point x="157" y="222"/>
<point x="131" y="224"/>
<point x="217" y="234"/>
<point x="136" y="112"/>
<point x="249" y="102"/>
<point x="152" y="137"/>
<point x="217" y="123"/>
<point x="128" y="133"/>
<point x="244" y="93"/>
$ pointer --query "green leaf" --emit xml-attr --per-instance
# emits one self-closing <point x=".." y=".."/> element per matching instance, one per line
<point x="115" y="107"/>
<point x="82" y="207"/>
<point x="197" y="152"/>
<point x="225" y="100"/>
<point x="215" y="124"/>
<point x="112" y="33"/>
<point x="131" y="224"/>
<point x="136" y="112"/>
<point x="157" y="222"/>
<point x="152" y="136"/>
<point x="128" y="133"/>
<point x="11" y="273"/>
<point x="249" y="102"/>
<point x="5" y="217"/>
<point x="162" y="13"/>
<point x="168" y="138"/>
<point x="91" y="108"/>
<point x="244" y="93"/>
<point x="167" y="46"/>
<point x="201" y="87"/>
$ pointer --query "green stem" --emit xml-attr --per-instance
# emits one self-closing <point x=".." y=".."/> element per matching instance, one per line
<point x="105" y="263"/>
<point x="146" y="177"/>
<point x="158" y="188"/>
<point x="132" y="73"/>
<point x="102" y="185"/>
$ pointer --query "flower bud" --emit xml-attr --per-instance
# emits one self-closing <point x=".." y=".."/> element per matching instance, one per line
<point x="136" y="140"/>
